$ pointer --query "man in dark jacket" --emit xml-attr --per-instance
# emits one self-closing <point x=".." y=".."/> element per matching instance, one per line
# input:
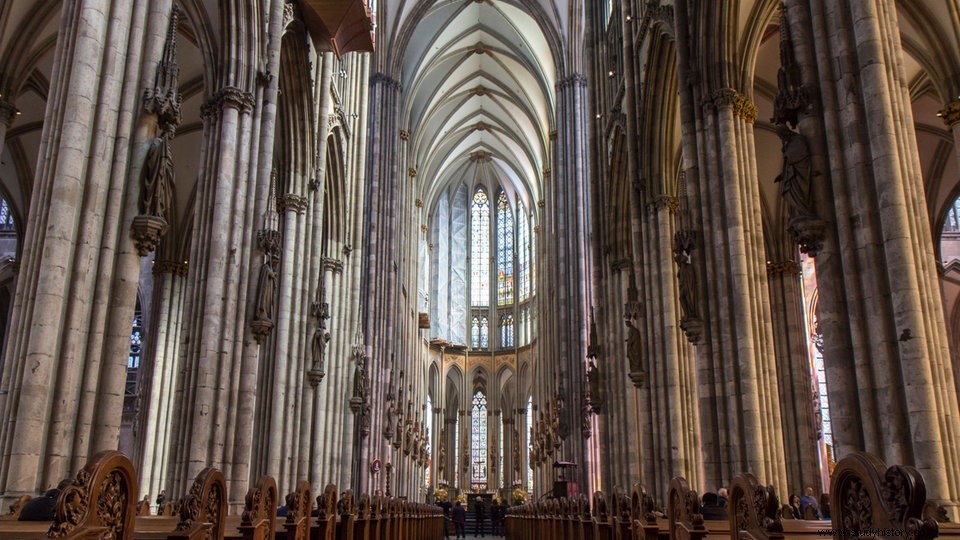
<point x="478" y="517"/>
<point x="460" y="520"/>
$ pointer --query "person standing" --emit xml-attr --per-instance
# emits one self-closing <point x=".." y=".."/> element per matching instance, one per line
<point x="460" y="520"/>
<point x="478" y="517"/>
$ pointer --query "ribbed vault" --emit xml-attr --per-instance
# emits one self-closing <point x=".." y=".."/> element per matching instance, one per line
<point x="478" y="82"/>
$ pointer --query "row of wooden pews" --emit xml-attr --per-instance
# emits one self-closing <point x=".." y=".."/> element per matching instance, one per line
<point x="101" y="503"/>
<point x="868" y="500"/>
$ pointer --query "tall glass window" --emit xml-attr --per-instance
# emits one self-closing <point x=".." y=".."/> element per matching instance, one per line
<point x="428" y="424"/>
<point x="480" y="249"/>
<point x="523" y="252"/>
<point x="506" y="331"/>
<point x="478" y="442"/>
<point x="529" y="443"/>
<point x="484" y="341"/>
<point x="504" y="251"/>
<point x="475" y="333"/>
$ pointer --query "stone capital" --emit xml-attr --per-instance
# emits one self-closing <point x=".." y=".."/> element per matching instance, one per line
<point x="783" y="267"/>
<point x="176" y="268"/>
<point x="227" y="97"/>
<point x="668" y="202"/>
<point x="331" y="265"/>
<point x="292" y="202"/>
<point x="950" y="113"/>
<point x="739" y="103"/>
<point x="7" y="112"/>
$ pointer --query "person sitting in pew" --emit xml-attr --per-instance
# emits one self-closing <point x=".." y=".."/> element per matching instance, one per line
<point x="809" y="500"/>
<point x="722" y="497"/>
<point x="43" y="508"/>
<point x="825" y="506"/>
<point x="795" y="506"/>
<point x="711" y="509"/>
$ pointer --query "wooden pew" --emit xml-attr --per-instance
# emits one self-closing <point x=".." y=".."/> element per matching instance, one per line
<point x="620" y="506"/>
<point x="347" y="516"/>
<point x="602" y="526"/>
<point x="867" y="496"/>
<point x="326" y="528"/>
<point x="15" y="508"/>
<point x="299" y="507"/>
<point x="203" y="511"/>
<point x="363" y="522"/>
<point x="259" y="518"/>
<point x="754" y="510"/>
<point x="683" y="512"/>
<point x="643" y="521"/>
<point x="100" y="502"/>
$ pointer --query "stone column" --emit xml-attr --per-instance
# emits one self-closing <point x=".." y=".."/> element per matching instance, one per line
<point x="719" y="249"/>
<point x="892" y="390"/>
<point x="382" y="257"/>
<point x="65" y="368"/>
<point x="797" y="392"/>
<point x="163" y="361"/>
<point x="565" y="309"/>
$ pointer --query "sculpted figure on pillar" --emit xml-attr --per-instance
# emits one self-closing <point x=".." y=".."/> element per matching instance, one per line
<point x="803" y="224"/>
<point x="360" y="378"/>
<point x="157" y="176"/>
<point x="388" y="423"/>
<point x="684" y="242"/>
<point x="594" y="384"/>
<point x="262" y="322"/>
<point x="158" y="179"/>
<point x="634" y="353"/>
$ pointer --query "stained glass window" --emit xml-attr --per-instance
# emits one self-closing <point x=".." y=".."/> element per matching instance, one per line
<point x="428" y="425"/>
<point x="6" y="217"/>
<point x="504" y="251"/>
<point x="136" y="350"/>
<point x="500" y="464"/>
<point x="506" y="331"/>
<point x="529" y="443"/>
<point x="950" y="225"/>
<point x="478" y="442"/>
<point x="484" y="333"/>
<point x="533" y="256"/>
<point x="480" y="249"/>
<point x="456" y="451"/>
<point x="475" y="333"/>
<point x="523" y="252"/>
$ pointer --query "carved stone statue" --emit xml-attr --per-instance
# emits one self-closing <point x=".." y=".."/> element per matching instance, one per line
<point x="364" y="420"/>
<point x="797" y="170"/>
<point x="683" y="245"/>
<point x="795" y="187"/>
<point x="594" y="384"/>
<point x="158" y="178"/>
<point x="388" y="424"/>
<point x="360" y="378"/>
<point x="266" y="290"/>
<point x="634" y="349"/>
<point x="317" y="347"/>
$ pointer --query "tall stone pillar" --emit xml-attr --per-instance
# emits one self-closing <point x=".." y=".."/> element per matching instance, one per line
<point x="721" y="261"/>
<point x="162" y="361"/>
<point x="797" y="391"/>
<point x="891" y="387"/>
<point x="229" y="290"/>
<point x="382" y="257"/>
<point x="565" y="309"/>
<point x="65" y="367"/>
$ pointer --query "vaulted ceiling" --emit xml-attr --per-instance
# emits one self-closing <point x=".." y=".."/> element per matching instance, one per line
<point x="478" y="81"/>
